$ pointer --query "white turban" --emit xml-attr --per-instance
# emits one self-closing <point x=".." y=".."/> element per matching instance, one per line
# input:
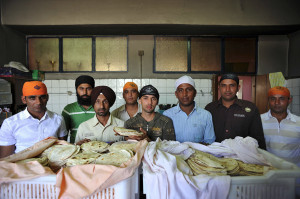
<point x="184" y="80"/>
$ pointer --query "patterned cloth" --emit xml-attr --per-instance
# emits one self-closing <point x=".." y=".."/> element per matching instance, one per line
<point x="23" y="130"/>
<point x="195" y="127"/>
<point x="74" y="114"/>
<point x="282" y="139"/>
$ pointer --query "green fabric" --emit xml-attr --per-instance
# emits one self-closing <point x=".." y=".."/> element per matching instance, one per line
<point x="74" y="115"/>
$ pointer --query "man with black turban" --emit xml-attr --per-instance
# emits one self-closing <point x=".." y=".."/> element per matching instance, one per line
<point x="82" y="110"/>
<point x="100" y="127"/>
<point x="235" y="117"/>
<point x="153" y="124"/>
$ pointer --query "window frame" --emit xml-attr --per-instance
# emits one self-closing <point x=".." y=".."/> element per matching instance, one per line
<point x="60" y="52"/>
<point x="189" y="58"/>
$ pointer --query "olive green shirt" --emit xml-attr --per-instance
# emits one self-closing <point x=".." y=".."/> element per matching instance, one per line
<point x="160" y="127"/>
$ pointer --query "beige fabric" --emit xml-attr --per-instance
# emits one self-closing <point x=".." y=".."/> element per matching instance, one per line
<point x="10" y="172"/>
<point x="32" y="151"/>
<point x="91" y="178"/>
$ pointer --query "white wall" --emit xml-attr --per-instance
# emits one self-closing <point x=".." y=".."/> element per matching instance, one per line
<point x="294" y="86"/>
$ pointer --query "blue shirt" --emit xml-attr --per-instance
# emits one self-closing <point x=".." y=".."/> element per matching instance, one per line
<point x="195" y="127"/>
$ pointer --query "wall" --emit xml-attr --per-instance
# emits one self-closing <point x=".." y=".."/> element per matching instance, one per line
<point x="294" y="86"/>
<point x="59" y="98"/>
<point x="294" y="52"/>
<point x="192" y="12"/>
<point x="273" y="54"/>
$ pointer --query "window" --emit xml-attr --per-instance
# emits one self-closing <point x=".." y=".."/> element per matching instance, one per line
<point x="240" y="55"/>
<point x="71" y="54"/>
<point x="43" y="54"/>
<point x="171" y="54"/>
<point x="111" y="54"/>
<point x="205" y="54"/>
<point x="77" y="54"/>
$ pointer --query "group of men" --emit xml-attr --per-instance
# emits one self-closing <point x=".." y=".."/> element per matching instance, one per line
<point x="89" y="118"/>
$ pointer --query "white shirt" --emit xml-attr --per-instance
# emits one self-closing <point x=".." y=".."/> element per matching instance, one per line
<point x="92" y="129"/>
<point x="282" y="139"/>
<point x="122" y="114"/>
<point x="23" y="130"/>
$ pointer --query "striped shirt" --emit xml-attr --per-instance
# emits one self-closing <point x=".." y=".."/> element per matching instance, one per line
<point x="122" y="114"/>
<point x="283" y="139"/>
<point x="74" y="114"/>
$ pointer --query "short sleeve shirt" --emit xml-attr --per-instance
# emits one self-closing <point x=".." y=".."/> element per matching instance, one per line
<point x="23" y="130"/>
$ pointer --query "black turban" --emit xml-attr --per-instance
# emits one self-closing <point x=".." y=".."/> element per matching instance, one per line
<point x="85" y="79"/>
<point x="106" y="91"/>
<point x="149" y="90"/>
<point x="230" y="76"/>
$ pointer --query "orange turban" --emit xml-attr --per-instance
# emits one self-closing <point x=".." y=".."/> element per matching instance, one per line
<point x="279" y="90"/>
<point x="34" y="88"/>
<point x="130" y="85"/>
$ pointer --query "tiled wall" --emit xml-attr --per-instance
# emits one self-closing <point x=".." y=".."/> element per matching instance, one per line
<point x="62" y="92"/>
<point x="294" y="86"/>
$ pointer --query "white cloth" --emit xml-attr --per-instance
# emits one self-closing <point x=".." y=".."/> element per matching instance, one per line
<point x="184" y="80"/>
<point x="170" y="176"/>
<point x="244" y="149"/>
<point x="92" y="129"/>
<point x="23" y="130"/>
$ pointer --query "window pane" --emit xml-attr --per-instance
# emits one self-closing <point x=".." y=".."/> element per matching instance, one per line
<point x="111" y="54"/>
<point x="43" y="54"/>
<point x="240" y="55"/>
<point x="77" y="54"/>
<point x="171" y="54"/>
<point x="205" y="54"/>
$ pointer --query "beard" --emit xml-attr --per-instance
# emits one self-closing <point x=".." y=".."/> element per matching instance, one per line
<point x="83" y="100"/>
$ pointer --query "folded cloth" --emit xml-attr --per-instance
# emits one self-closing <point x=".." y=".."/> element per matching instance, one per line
<point x="10" y="172"/>
<point x="169" y="175"/>
<point x="83" y="180"/>
<point x="245" y="149"/>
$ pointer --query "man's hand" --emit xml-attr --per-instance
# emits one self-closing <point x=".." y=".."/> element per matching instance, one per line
<point x="138" y="138"/>
<point x="83" y="141"/>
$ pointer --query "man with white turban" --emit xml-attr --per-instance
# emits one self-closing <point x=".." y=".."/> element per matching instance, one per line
<point x="191" y="123"/>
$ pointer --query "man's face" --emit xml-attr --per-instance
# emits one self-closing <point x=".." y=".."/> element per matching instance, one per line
<point x="185" y="93"/>
<point x="228" y="89"/>
<point x="83" y="92"/>
<point x="36" y="103"/>
<point x="101" y="106"/>
<point x="148" y="103"/>
<point x="279" y="103"/>
<point x="130" y="95"/>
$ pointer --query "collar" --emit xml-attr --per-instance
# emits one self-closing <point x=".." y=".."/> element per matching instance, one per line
<point x="96" y="122"/>
<point x="178" y="109"/>
<point x="89" y="108"/>
<point x="236" y="102"/>
<point x="289" y="116"/>
<point x="27" y="115"/>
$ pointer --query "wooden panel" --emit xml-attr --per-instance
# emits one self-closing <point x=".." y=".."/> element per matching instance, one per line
<point x="262" y="85"/>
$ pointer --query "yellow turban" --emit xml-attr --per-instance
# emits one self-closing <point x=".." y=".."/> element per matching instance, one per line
<point x="34" y="88"/>
<point x="130" y="85"/>
<point x="279" y="90"/>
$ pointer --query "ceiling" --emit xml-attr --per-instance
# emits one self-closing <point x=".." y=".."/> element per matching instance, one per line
<point x="153" y="29"/>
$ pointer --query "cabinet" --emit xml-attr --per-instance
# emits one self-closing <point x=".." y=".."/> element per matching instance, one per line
<point x="16" y="90"/>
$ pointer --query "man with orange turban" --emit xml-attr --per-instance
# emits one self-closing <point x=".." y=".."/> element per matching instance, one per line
<point x="32" y="125"/>
<point x="281" y="127"/>
<point x="131" y="106"/>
